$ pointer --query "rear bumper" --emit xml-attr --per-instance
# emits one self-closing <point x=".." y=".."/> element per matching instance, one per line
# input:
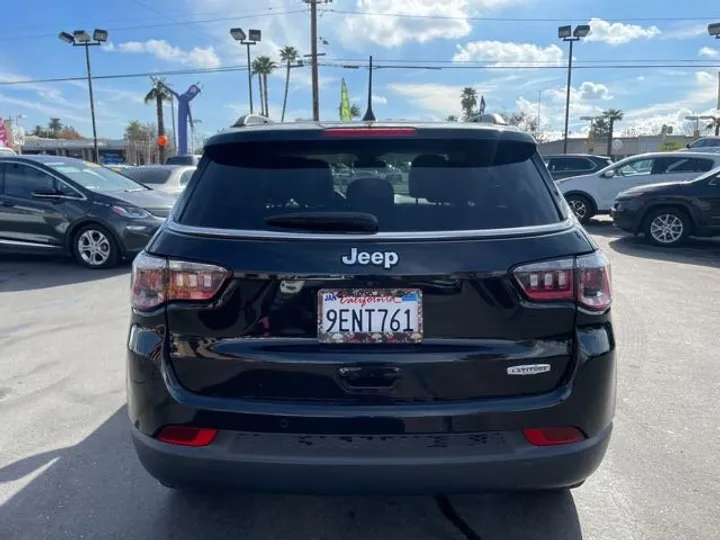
<point x="344" y="465"/>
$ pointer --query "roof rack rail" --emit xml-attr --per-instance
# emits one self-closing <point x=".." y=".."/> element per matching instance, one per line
<point x="251" y="120"/>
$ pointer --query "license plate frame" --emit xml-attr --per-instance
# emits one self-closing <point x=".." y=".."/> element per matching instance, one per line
<point x="411" y="297"/>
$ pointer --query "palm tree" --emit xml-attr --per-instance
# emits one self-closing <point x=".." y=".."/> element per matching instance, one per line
<point x="611" y="116"/>
<point x="468" y="102"/>
<point x="159" y="93"/>
<point x="289" y="55"/>
<point x="715" y="124"/>
<point x="262" y="67"/>
<point x="55" y="126"/>
<point x="355" y="111"/>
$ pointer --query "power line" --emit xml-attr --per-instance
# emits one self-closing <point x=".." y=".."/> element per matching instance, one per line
<point x="539" y="62"/>
<point x="164" y="24"/>
<point x="197" y="71"/>
<point x="520" y="19"/>
<point x="334" y="64"/>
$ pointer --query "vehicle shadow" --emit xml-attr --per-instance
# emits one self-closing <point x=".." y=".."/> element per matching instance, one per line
<point x="697" y="251"/>
<point x="26" y="273"/>
<point x="97" y="489"/>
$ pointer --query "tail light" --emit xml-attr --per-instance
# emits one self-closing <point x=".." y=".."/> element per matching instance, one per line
<point x="156" y="280"/>
<point x="187" y="436"/>
<point x="584" y="279"/>
<point x="553" y="436"/>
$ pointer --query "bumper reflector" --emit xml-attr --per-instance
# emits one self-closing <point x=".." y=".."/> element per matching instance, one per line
<point x="553" y="436"/>
<point x="186" y="436"/>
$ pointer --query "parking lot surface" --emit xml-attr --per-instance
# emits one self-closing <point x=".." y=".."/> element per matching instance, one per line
<point x="68" y="471"/>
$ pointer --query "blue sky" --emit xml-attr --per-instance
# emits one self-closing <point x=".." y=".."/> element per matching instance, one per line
<point x="479" y="43"/>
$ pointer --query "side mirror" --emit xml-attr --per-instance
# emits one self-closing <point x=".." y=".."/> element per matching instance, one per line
<point x="609" y="174"/>
<point x="687" y="146"/>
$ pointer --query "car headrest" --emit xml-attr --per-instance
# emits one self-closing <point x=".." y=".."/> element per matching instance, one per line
<point x="422" y="179"/>
<point x="368" y="193"/>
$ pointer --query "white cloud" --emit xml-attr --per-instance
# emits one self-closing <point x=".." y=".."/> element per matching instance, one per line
<point x="442" y="99"/>
<point x="619" y="33"/>
<point x="200" y="57"/>
<point x="380" y="100"/>
<point x="699" y="100"/>
<point x="424" y="20"/>
<point x="710" y="53"/>
<point x="504" y="53"/>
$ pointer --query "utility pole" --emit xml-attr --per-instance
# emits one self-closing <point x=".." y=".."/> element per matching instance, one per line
<point x="314" y="55"/>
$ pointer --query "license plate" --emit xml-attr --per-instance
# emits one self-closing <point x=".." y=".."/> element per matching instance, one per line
<point x="370" y="316"/>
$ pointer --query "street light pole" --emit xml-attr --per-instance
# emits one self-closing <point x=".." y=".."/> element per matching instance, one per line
<point x="249" y="64"/>
<point x="80" y="38"/>
<point x="92" y="103"/>
<point x="566" y="33"/>
<point x="253" y="37"/>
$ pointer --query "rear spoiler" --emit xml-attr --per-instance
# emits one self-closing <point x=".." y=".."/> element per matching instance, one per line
<point x="251" y="119"/>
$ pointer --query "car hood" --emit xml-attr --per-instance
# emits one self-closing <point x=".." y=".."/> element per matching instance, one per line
<point x="654" y="188"/>
<point x="149" y="199"/>
<point x="566" y="183"/>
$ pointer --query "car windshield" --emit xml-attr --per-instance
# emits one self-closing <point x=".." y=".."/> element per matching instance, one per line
<point x="95" y="177"/>
<point x="452" y="184"/>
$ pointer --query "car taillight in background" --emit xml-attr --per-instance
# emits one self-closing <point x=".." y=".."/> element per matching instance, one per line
<point x="584" y="279"/>
<point x="156" y="280"/>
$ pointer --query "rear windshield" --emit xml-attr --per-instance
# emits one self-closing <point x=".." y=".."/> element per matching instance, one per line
<point x="405" y="184"/>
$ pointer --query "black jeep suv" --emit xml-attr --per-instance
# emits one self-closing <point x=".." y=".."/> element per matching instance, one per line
<point x="446" y="333"/>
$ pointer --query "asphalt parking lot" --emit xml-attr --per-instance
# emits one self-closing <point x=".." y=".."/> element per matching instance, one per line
<point x="67" y="469"/>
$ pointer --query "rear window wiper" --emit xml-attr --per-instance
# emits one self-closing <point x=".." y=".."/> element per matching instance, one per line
<point x="325" y="221"/>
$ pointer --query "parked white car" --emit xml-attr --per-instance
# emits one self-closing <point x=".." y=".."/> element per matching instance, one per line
<point x="593" y="194"/>
<point x="5" y="152"/>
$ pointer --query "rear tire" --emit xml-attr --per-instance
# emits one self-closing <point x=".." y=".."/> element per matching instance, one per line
<point x="95" y="247"/>
<point x="667" y="227"/>
<point x="582" y="207"/>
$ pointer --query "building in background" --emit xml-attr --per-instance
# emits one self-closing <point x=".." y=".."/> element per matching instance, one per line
<point x="111" y="150"/>
<point x="622" y="146"/>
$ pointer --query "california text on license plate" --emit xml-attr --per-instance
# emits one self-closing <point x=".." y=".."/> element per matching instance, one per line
<point x="370" y="316"/>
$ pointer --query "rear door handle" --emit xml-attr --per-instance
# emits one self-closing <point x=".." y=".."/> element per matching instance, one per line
<point x="369" y="377"/>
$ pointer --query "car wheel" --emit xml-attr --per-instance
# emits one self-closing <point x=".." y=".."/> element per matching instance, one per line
<point x="94" y="247"/>
<point x="582" y="207"/>
<point x="667" y="227"/>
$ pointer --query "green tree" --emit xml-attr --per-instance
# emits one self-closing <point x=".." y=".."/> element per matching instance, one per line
<point x="611" y="116"/>
<point x="289" y="55"/>
<point x="158" y="94"/>
<point x="54" y="127"/>
<point x="468" y="102"/>
<point x="600" y="127"/>
<point x="451" y="118"/>
<point x="355" y="111"/>
<point x="39" y="131"/>
<point x="263" y="66"/>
